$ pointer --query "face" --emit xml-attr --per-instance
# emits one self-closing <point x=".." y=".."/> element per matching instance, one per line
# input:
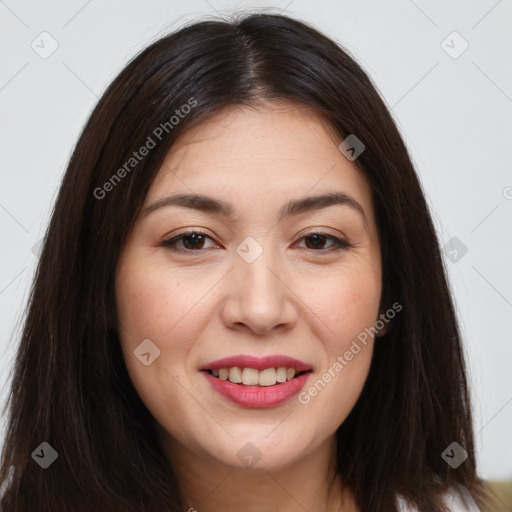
<point x="248" y="277"/>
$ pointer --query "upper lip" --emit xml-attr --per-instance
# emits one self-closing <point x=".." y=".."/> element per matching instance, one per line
<point x="258" y="363"/>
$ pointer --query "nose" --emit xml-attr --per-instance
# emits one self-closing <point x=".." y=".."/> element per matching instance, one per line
<point x="259" y="299"/>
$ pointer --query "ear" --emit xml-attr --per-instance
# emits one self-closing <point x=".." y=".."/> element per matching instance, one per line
<point x="385" y="325"/>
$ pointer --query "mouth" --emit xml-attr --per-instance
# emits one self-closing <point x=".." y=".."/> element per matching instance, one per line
<point x="255" y="382"/>
<point x="256" y="378"/>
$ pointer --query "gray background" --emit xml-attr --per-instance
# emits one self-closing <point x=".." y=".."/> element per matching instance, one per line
<point x="453" y="110"/>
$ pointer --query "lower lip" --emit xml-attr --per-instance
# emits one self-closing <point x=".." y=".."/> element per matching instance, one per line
<point x="258" y="397"/>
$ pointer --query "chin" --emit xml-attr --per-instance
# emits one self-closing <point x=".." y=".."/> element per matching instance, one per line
<point x="260" y="452"/>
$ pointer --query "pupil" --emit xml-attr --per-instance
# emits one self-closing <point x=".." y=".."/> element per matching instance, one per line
<point x="196" y="239"/>
<point x="317" y="240"/>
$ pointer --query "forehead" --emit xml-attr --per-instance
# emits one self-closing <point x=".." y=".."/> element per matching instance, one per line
<point x="259" y="157"/>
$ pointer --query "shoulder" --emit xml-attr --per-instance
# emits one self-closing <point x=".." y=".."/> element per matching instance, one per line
<point x="459" y="500"/>
<point x="456" y="499"/>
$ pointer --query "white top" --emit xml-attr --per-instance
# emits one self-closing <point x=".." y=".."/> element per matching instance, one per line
<point x="453" y="500"/>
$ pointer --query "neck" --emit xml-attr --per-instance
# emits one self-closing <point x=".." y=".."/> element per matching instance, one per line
<point x="311" y="483"/>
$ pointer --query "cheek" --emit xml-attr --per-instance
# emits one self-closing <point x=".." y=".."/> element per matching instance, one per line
<point x="346" y="304"/>
<point x="153" y="303"/>
<point x="158" y="303"/>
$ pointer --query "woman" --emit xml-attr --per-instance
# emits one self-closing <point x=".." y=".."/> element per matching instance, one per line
<point x="241" y="302"/>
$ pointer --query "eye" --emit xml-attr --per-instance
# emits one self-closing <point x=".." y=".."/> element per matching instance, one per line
<point x="194" y="241"/>
<point x="191" y="241"/>
<point x="316" y="242"/>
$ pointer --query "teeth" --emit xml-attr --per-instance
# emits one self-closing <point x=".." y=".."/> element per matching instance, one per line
<point x="253" y="377"/>
<point x="267" y="377"/>
<point x="250" y="376"/>
<point x="235" y="375"/>
<point x="281" y="374"/>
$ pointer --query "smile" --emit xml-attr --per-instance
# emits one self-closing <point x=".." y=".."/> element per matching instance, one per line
<point x="253" y="382"/>
<point x="254" y="377"/>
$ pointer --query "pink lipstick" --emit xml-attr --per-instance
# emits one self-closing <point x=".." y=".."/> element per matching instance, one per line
<point x="257" y="382"/>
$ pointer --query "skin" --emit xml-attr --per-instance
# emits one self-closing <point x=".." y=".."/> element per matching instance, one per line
<point x="294" y="299"/>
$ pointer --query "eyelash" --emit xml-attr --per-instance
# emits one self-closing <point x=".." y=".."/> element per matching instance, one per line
<point x="171" y="243"/>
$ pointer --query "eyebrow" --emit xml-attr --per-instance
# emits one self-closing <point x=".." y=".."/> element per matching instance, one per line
<point x="294" y="207"/>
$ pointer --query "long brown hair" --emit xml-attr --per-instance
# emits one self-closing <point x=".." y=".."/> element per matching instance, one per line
<point x="70" y="386"/>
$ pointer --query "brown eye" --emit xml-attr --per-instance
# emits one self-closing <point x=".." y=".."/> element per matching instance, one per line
<point x="317" y="241"/>
<point x="192" y="241"/>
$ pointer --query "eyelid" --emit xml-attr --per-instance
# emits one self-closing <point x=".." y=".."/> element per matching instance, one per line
<point x="323" y="232"/>
<point x="168" y="242"/>
<point x="339" y="243"/>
